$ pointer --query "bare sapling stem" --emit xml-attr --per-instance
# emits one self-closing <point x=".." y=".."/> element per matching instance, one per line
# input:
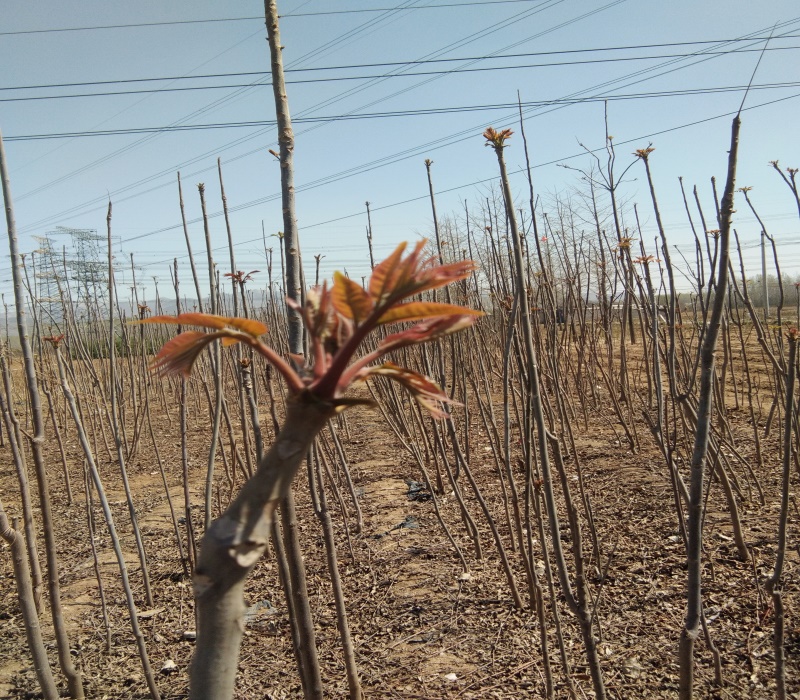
<point x="12" y="427"/>
<point x="112" y="530"/>
<point x="189" y="247"/>
<point x="775" y="582"/>
<point x="291" y="239"/>
<point x="291" y="256"/>
<point x="73" y="676"/>
<point x="191" y="540"/>
<point x="692" y="624"/>
<point x="101" y="592"/>
<point x="323" y="513"/>
<point x="60" y="441"/>
<point x="679" y="490"/>
<point x="216" y="365"/>
<point x="115" y="422"/>
<point x="238" y="280"/>
<point x="27" y="605"/>
<point x="577" y="603"/>
<point x="369" y="238"/>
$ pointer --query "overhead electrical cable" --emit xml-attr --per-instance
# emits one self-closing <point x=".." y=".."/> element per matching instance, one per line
<point x="259" y="18"/>
<point x="448" y="48"/>
<point x="131" y="146"/>
<point x="409" y="112"/>
<point x="645" y="74"/>
<point x="453" y="71"/>
<point x="136" y="103"/>
<point x="362" y="167"/>
<point x="349" y="35"/>
<point x="484" y="181"/>
<point x="466" y="133"/>
<point x="634" y="140"/>
<point x="387" y="64"/>
<point x="322" y="13"/>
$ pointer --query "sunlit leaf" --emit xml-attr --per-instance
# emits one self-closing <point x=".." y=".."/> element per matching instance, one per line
<point x="407" y="272"/>
<point x="416" y="310"/>
<point x="427" y="331"/>
<point x="179" y="354"/>
<point x="246" y="325"/>
<point x="497" y="138"/>
<point x="426" y="392"/>
<point x="437" y="276"/>
<point x="384" y="276"/>
<point x="349" y="299"/>
<point x="398" y="278"/>
<point x="337" y="320"/>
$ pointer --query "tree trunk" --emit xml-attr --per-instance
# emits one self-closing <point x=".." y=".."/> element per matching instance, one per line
<point x="291" y="240"/>
<point x="696" y="488"/>
<point x="235" y="542"/>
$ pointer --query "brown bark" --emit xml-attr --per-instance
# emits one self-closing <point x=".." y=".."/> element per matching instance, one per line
<point x="30" y="616"/>
<point x="73" y="676"/>
<point x="235" y="542"/>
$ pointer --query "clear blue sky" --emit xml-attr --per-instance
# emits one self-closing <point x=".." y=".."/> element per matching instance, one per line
<point x="341" y="163"/>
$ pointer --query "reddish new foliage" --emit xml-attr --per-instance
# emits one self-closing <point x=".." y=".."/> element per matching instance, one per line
<point x="338" y="320"/>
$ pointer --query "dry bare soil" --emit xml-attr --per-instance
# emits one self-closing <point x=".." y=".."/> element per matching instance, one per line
<point x="421" y="627"/>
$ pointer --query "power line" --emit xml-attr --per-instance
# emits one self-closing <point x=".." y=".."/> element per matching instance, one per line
<point x="479" y="35"/>
<point x="390" y="64"/>
<point x="437" y="143"/>
<point x="329" y="46"/>
<point x="407" y="112"/>
<point x="416" y="74"/>
<point x="136" y="25"/>
<point x="321" y="13"/>
<point x="139" y="25"/>
<point x="361" y="168"/>
<point x="262" y="200"/>
<point x="320" y="50"/>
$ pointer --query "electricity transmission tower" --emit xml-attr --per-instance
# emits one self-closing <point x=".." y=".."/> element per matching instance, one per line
<point x="46" y="292"/>
<point x="87" y="266"/>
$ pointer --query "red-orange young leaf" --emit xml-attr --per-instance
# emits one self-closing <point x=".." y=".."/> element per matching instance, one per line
<point x="246" y="325"/>
<point x="384" y="276"/>
<point x="436" y="276"/>
<point x="337" y="321"/>
<point x="54" y="340"/>
<point x="410" y="272"/>
<point x="416" y="310"/>
<point x="398" y="278"/>
<point x="179" y="354"/>
<point x="426" y="331"/>
<point x="349" y="299"/>
<point x="496" y="138"/>
<point x="426" y="392"/>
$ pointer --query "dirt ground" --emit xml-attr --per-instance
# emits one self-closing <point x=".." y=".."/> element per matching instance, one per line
<point x="422" y="627"/>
